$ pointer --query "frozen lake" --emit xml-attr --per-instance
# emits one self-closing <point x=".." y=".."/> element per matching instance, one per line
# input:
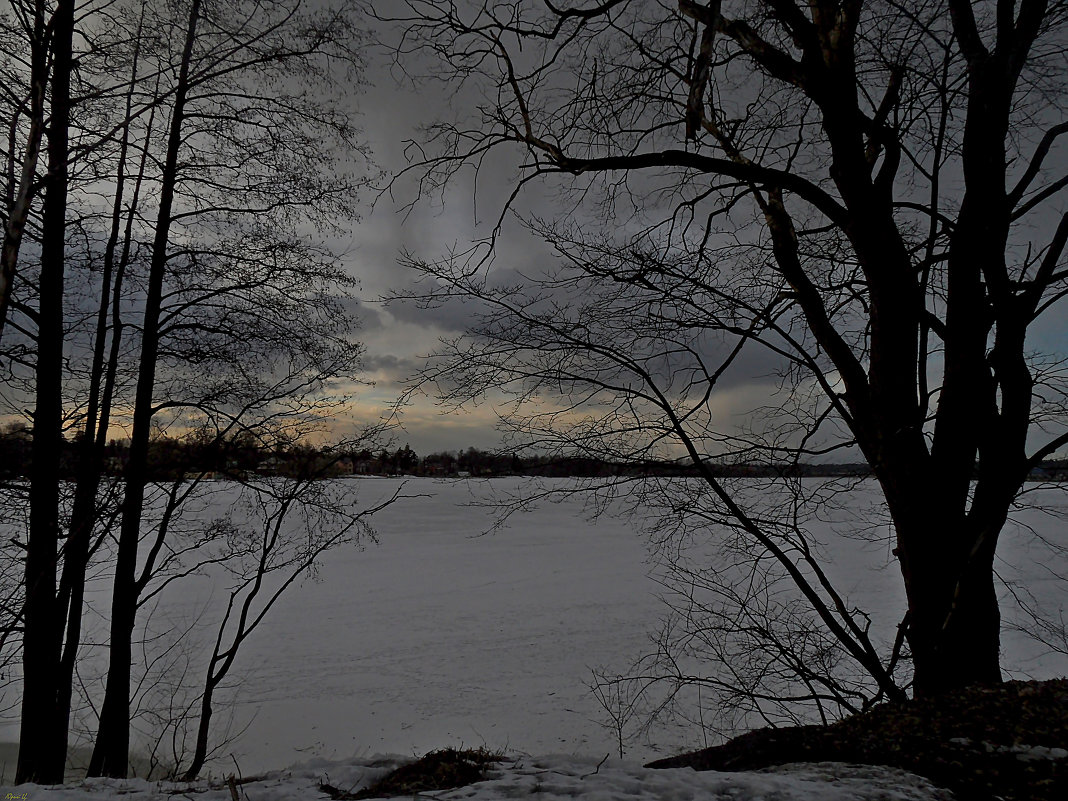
<point x="437" y="635"/>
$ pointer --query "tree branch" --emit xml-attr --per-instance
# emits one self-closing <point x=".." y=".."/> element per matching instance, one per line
<point x="787" y="181"/>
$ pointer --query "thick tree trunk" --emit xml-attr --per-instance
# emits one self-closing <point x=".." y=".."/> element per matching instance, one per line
<point x="112" y="749"/>
<point x="42" y="747"/>
<point x="954" y="626"/>
<point x="955" y="632"/>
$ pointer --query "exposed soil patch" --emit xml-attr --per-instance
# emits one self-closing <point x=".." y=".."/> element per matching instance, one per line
<point x="438" y="770"/>
<point x="1004" y="742"/>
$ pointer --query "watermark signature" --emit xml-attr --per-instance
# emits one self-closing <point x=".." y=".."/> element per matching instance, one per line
<point x="16" y="797"/>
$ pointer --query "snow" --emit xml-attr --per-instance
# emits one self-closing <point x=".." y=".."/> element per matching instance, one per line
<point x="553" y="778"/>
<point x="440" y="635"/>
<point x="1025" y="753"/>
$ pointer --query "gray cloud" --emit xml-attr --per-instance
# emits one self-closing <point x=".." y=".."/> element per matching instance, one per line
<point x="431" y="225"/>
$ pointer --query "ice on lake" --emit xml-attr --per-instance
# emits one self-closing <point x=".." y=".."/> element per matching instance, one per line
<point x="440" y="634"/>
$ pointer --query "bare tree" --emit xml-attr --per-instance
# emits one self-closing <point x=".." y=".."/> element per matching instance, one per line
<point x="192" y="175"/>
<point x="26" y="113"/>
<point x="40" y="648"/>
<point x="219" y="108"/>
<point x="45" y="322"/>
<point x="255" y="538"/>
<point x="859" y="196"/>
<point x="272" y="558"/>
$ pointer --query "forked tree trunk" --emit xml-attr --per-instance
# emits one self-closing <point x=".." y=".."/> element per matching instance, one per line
<point x="112" y="749"/>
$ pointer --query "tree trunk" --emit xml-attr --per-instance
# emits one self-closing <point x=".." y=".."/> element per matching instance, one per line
<point x="42" y="749"/>
<point x="954" y="627"/>
<point x="200" y="750"/>
<point x="94" y="436"/>
<point x="112" y="748"/>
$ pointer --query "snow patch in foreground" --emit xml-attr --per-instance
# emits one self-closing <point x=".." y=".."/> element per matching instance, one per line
<point x="554" y="778"/>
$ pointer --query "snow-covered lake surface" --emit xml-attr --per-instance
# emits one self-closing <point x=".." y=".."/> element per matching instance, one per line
<point x="438" y="635"/>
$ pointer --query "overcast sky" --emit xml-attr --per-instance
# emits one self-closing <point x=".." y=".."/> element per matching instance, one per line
<point x="397" y="337"/>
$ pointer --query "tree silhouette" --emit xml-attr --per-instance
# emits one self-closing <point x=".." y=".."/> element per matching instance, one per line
<point x="861" y="197"/>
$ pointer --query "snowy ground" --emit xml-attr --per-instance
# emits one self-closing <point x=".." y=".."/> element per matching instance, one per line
<point x="439" y="637"/>
<point x="546" y="779"/>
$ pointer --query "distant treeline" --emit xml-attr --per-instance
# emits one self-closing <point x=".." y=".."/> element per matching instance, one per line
<point x="241" y="455"/>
